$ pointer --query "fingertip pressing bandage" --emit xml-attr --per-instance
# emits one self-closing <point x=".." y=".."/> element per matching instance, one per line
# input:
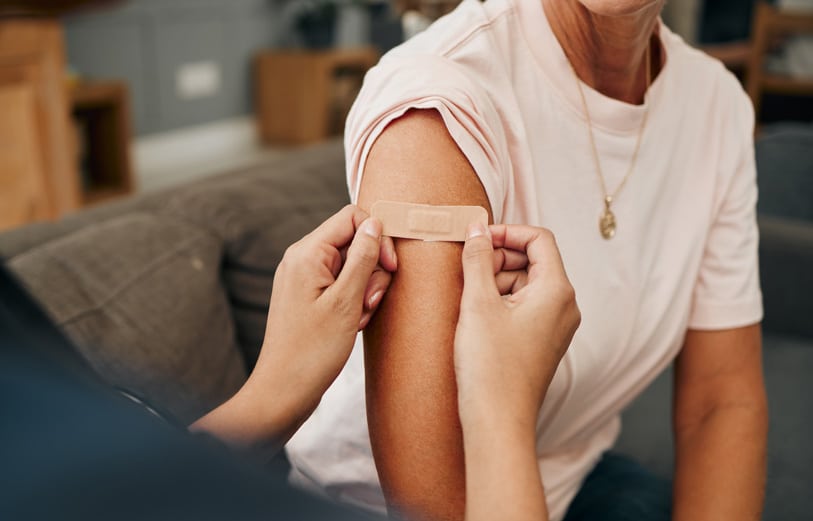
<point x="427" y="222"/>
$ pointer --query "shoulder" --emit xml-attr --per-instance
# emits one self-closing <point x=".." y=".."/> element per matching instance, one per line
<point x="457" y="51"/>
<point x="403" y="165"/>
<point x="455" y="62"/>
<point x="711" y="100"/>
<point x="471" y="25"/>
<point x="451" y="68"/>
<point x="709" y="85"/>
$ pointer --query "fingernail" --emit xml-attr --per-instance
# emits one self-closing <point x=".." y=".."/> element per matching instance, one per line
<point x="372" y="227"/>
<point x="391" y="248"/>
<point x="373" y="301"/>
<point x="476" y="230"/>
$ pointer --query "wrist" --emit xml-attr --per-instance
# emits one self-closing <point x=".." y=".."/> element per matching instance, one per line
<point x="502" y="473"/>
<point x="489" y="410"/>
<point x="496" y="448"/>
<point x="272" y="402"/>
<point x="515" y="423"/>
<point x="258" y="417"/>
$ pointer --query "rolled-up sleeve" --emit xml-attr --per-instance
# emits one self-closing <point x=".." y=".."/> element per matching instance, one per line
<point x="399" y="84"/>
<point x="727" y="292"/>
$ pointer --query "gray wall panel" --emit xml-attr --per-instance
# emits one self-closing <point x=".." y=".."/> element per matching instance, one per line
<point x="121" y="55"/>
<point x="144" y="42"/>
<point x="190" y="41"/>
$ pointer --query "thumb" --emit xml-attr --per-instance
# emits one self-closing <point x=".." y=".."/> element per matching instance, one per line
<point x="362" y="259"/>
<point x="478" y="263"/>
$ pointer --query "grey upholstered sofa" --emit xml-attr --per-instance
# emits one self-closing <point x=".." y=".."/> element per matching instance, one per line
<point x="166" y="294"/>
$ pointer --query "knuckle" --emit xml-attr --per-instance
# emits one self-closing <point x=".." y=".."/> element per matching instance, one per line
<point x="340" y="305"/>
<point x="577" y="317"/>
<point x="569" y="293"/>
<point x="300" y="254"/>
<point x="292" y="252"/>
<point x="348" y="209"/>
<point x="548" y="236"/>
<point x="321" y="252"/>
<point x="544" y="233"/>
<point x="564" y="292"/>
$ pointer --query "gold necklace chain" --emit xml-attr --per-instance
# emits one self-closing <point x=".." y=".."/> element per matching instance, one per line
<point x="607" y="222"/>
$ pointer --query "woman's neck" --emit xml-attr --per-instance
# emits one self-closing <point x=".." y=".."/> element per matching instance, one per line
<point x="607" y="52"/>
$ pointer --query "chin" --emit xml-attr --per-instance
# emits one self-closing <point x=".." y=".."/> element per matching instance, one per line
<point x="621" y="7"/>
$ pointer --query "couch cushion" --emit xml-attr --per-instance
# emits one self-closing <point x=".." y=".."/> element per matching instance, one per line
<point x="257" y="213"/>
<point x="784" y="163"/>
<point x="20" y="240"/>
<point x="140" y="296"/>
<point x="785" y="262"/>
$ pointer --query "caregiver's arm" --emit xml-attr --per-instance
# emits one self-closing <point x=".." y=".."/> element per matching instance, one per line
<point x="521" y="323"/>
<point x="720" y="423"/>
<point x="325" y="289"/>
<point x="411" y="392"/>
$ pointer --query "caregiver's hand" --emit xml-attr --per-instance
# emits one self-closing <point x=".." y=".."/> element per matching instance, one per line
<point x="326" y="288"/>
<point x="515" y="325"/>
<point x="518" y="314"/>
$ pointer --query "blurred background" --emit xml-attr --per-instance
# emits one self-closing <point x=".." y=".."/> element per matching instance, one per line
<point x="164" y="91"/>
<point x="157" y="157"/>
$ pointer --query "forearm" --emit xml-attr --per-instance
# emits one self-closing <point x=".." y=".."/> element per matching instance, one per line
<point x="412" y="396"/>
<point x="720" y="460"/>
<point x="254" y="419"/>
<point x="502" y="475"/>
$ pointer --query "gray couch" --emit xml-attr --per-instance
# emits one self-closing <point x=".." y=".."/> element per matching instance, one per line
<point x="167" y="293"/>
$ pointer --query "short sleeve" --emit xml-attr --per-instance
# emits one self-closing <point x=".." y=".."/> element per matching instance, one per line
<point x="727" y="292"/>
<point x="401" y="83"/>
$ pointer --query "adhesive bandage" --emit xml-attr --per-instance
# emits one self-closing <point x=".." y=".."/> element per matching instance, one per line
<point x="427" y="222"/>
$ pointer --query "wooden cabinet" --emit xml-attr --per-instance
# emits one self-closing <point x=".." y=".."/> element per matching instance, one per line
<point x="60" y="147"/>
<point x="296" y="91"/>
<point x="38" y="177"/>
<point x="22" y="173"/>
<point x="101" y="120"/>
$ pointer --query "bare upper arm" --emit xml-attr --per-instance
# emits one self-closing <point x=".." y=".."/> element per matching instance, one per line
<point x="411" y="392"/>
<point x="718" y="369"/>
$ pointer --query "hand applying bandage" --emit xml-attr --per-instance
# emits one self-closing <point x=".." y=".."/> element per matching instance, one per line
<point x="518" y="314"/>
<point x="326" y="288"/>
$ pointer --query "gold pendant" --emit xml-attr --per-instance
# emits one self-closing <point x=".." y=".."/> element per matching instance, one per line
<point x="606" y="224"/>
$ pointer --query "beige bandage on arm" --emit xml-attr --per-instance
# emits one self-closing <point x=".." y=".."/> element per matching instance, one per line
<point x="427" y="222"/>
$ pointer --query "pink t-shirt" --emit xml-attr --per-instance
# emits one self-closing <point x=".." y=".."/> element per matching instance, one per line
<point x="685" y="252"/>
